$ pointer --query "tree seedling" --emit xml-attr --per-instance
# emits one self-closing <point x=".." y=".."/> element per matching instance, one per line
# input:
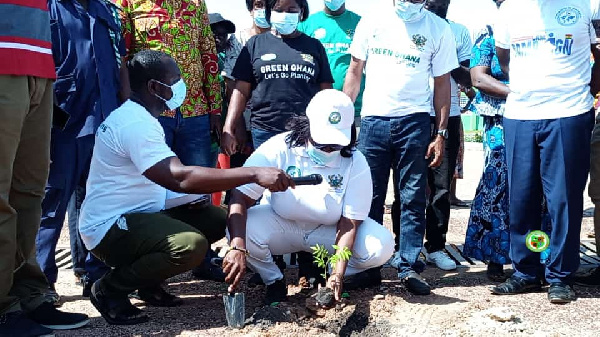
<point x="323" y="259"/>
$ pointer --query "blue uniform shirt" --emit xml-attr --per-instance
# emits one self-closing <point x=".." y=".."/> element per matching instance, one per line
<point x="87" y="49"/>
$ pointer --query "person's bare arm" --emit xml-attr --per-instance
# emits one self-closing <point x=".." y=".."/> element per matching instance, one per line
<point x="461" y="74"/>
<point x="237" y="105"/>
<point x="173" y="175"/>
<point x="504" y="59"/>
<point x="354" y="78"/>
<point x="482" y="80"/>
<point x="595" y="82"/>
<point x="441" y="105"/>
<point x="234" y="263"/>
<point x="326" y="85"/>
<point x="346" y="236"/>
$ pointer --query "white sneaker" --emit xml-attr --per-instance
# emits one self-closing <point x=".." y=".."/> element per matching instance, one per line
<point x="441" y="260"/>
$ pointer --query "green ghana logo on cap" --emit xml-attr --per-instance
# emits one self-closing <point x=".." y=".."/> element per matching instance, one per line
<point x="335" y="117"/>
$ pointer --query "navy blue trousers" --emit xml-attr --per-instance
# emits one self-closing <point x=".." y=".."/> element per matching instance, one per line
<point x="552" y="156"/>
<point x="69" y="167"/>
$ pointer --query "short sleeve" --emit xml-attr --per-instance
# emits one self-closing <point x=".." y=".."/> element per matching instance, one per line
<point x="144" y="145"/>
<point x="595" y="7"/>
<point x="444" y="59"/>
<point x="360" y="44"/>
<point x="231" y="56"/>
<point x="325" y="75"/>
<point x="483" y="50"/>
<point x="243" y="69"/>
<point x="265" y="156"/>
<point x="359" y="193"/>
<point x="501" y="29"/>
<point x="465" y="45"/>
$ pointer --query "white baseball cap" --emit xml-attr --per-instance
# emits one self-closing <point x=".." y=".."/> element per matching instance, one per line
<point x="331" y="115"/>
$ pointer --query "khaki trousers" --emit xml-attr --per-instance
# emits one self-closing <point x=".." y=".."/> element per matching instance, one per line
<point x="25" y="123"/>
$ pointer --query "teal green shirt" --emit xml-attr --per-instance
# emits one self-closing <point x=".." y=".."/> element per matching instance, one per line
<point x="335" y="33"/>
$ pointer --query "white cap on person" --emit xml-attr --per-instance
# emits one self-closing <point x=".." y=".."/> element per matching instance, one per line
<point x="331" y="115"/>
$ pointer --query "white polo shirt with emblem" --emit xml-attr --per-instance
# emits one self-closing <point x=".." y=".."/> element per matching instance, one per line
<point x="550" y="48"/>
<point x="346" y="190"/>
<point x="400" y="58"/>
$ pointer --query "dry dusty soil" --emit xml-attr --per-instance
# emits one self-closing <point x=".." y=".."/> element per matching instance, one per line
<point x="460" y="305"/>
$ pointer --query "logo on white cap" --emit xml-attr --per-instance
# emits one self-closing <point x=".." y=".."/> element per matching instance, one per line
<point x="335" y="118"/>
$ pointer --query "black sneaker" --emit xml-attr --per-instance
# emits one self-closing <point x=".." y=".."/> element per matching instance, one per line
<point x="48" y="316"/>
<point x="116" y="310"/>
<point x="516" y="285"/>
<point x="365" y="279"/>
<point x="589" y="280"/>
<point x="158" y="297"/>
<point x="52" y="296"/>
<point x="415" y="283"/>
<point x="18" y="324"/>
<point x="561" y="293"/>
<point x="276" y="292"/>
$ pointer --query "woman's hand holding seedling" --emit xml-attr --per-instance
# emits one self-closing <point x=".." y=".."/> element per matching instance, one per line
<point x="337" y="262"/>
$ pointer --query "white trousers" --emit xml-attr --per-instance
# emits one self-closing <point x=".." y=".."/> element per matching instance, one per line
<point x="268" y="234"/>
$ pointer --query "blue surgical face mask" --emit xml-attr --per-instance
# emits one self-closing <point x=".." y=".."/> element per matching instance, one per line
<point x="322" y="158"/>
<point x="285" y="23"/>
<point x="334" y="5"/>
<point x="179" y="91"/>
<point x="260" y="18"/>
<point x="408" y="11"/>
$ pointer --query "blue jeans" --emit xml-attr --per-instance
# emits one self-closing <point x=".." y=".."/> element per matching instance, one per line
<point x="550" y="156"/>
<point x="400" y="144"/>
<point x="260" y="136"/>
<point x="190" y="139"/>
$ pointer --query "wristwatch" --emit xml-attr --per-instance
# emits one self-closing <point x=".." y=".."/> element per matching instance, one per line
<point x="443" y="133"/>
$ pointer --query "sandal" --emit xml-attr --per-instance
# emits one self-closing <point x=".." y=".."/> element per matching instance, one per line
<point x="516" y="285"/>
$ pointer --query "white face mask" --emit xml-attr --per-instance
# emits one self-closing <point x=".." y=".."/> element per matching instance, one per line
<point x="408" y="11"/>
<point x="260" y="18"/>
<point x="320" y="157"/>
<point x="285" y="23"/>
<point x="334" y="5"/>
<point x="179" y="91"/>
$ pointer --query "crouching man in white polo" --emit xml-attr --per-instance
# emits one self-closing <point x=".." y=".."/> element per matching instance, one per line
<point x="335" y="212"/>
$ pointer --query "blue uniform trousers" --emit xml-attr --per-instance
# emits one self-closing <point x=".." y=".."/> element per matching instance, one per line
<point x="552" y="156"/>
<point x="70" y="163"/>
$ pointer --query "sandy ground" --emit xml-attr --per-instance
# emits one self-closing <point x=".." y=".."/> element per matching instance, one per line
<point x="460" y="304"/>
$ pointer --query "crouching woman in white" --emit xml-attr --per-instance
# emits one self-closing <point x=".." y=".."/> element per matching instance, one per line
<point x="333" y="212"/>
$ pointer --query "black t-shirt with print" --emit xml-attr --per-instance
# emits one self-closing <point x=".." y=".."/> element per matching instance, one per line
<point x="285" y="75"/>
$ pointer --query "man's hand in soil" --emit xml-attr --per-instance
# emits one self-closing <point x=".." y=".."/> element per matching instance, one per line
<point x="234" y="267"/>
<point x="335" y="283"/>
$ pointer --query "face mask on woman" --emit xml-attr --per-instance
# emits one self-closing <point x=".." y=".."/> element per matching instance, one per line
<point x="408" y="11"/>
<point x="322" y="158"/>
<point x="285" y="23"/>
<point x="260" y="18"/>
